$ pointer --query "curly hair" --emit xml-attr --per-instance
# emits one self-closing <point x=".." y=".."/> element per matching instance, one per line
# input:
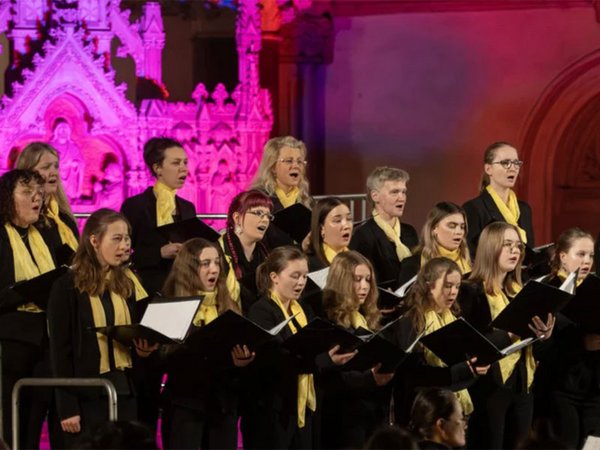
<point x="339" y="296"/>
<point x="8" y="183"/>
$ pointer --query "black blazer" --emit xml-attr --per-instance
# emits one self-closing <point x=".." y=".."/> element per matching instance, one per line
<point x="146" y="242"/>
<point x="74" y="350"/>
<point x="18" y="325"/>
<point x="597" y="255"/>
<point x="410" y="267"/>
<point x="415" y="372"/>
<point x="271" y="380"/>
<point x="482" y="211"/>
<point x="371" y="241"/>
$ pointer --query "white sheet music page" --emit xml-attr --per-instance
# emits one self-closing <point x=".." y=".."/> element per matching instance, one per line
<point x="173" y="319"/>
<point x="319" y="277"/>
<point x="592" y="443"/>
<point x="402" y="290"/>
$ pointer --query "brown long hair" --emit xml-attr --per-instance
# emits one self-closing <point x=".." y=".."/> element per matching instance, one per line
<point x="319" y="214"/>
<point x="339" y="297"/>
<point x="183" y="278"/>
<point x="30" y="157"/>
<point x="419" y="300"/>
<point x="564" y="243"/>
<point x="485" y="267"/>
<point x="428" y="245"/>
<point x="90" y="277"/>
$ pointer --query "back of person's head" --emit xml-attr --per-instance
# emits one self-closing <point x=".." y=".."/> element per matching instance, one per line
<point x="391" y="437"/>
<point x="119" y="435"/>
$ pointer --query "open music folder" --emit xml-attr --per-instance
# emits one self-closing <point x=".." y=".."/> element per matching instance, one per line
<point x="535" y="299"/>
<point x="459" y="341"/>
<point x="294" y="221"/>
<point x="584" y="308"/>
<point x="165" y="321"/>
<point x="188" y="229"/>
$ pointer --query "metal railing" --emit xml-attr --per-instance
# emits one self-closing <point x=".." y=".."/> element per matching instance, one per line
<point x="356" y="202"/>
<point x="60" y="382"/>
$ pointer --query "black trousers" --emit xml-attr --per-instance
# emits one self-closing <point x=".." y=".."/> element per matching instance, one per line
<point x="574" y="417"/>
<point x="23" y="360"/>
<point x="147" y="387"/>
<point x="183" y="427"/>
<point x="268" y="429"/>
<point x="501" y="419"/>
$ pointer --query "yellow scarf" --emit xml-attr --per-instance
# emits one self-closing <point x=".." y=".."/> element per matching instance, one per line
<point x="563" y="276"/>
<point x="454" y="255"/>
<point x="393" y="234"/>
<point x="331" y="253"/>
<point x="510" y="210"/>
<point x="207" y="312"/>
<point x="233" y="285"/>
<point x="165" y="203"/>
<point x="287" y="199"/>
<point x="433" y="322"/>
<point x="66" y="234"/>
<point x="140" y="292"/>
<point x="497" y="303"/>
<point x="122" y="317"/>
<point x="25" y="266"/>
<point x="358" y="320"/>
<point x="307" y="397"/>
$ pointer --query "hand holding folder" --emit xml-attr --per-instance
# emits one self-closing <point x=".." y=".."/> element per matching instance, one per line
<point x="459" y="341"/>
<point x="165" y="321"/>
<point x="535" y="299"/>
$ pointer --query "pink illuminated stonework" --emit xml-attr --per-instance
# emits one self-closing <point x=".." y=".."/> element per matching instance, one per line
<point x="62" y="90"/>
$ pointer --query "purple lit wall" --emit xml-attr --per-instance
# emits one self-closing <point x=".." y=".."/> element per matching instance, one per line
<point x="429" y="90"/>
<point x="61" y="89"/>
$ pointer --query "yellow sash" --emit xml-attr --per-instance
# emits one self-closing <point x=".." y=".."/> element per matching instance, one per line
<point x="233" y="285"/>
<point x="454" y="255"/>
<point x="563" y="276"/>
<point x="287" y="199"/>
<point x="393" y="234"/>
<point x="140" y="292"/>
<point x="25" y="266"/>
<point x="331" y="253"/>
<point x="120" y="352"/>
<point x="358" y="320"/>
<point x="165" y="203"/>
<point x="307" y="397"/>
<point x="66" y="234"/>
<point x="497" y="303"/>
<point x="433" y="322"/>
<point x="207" y="312"/>
<point x="510" y="211"/>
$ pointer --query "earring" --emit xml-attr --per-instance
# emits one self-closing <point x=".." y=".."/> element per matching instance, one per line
<point x="238" y="229"/>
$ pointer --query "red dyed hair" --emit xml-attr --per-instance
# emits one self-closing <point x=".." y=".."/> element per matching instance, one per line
<point x="245" y="201"/>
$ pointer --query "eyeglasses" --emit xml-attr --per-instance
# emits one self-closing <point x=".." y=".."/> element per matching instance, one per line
<point x="512" y="245"/>
<point x="508" y="163"/>
<point x="30" y="193"/>
<point x="261" y="215"/>
<point x="290" y="161"/>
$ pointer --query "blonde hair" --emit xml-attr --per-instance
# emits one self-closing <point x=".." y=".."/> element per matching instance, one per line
<point x="486" y="268"/>
<point x="380" y="175"/>
<point x="265" y="176"/>
<point x="339" y="297"/>
<point x="429" y="244"/>
<point x="565" y="241"/>
<point x="183" y="279"/>
<point x="30" y="157"/>
<point x="419" y="300"/>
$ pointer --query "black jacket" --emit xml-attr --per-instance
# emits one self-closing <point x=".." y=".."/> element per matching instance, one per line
<point x="481" y="211"/>
<point x="146" y="242"/>
<point x="371" y="242"/>
<point x="415" y="372"/>
<point x="18" y="325"/>
<point x="74" y="350"/>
